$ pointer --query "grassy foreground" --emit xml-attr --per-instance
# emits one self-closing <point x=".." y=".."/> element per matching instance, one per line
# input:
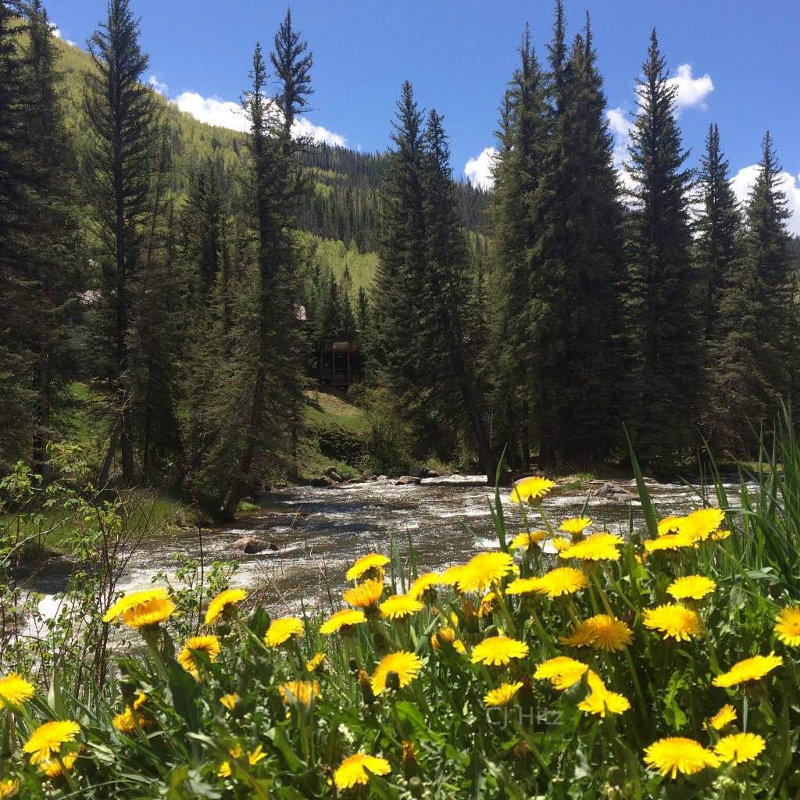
<point x="568" y="663"/>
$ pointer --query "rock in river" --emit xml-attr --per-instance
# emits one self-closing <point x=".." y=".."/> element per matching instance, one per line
<point x="408" y="480"/>
<point x="250" y="545"/>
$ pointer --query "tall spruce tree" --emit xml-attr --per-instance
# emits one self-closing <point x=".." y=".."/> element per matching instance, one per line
<point x="422" y="289"/>
<point x="448" y="346"/>
<point x="517" y="171"/>
<point x="718" y="256"/>
<point x="122" y="128"/>
<point x="575" y="305"/>
<point x="663" y="318"/>
<point x="52" y="245"/>
<point x="767" y="272"/>
<point x="16" y="358"/>
<point x="268" y="364"/>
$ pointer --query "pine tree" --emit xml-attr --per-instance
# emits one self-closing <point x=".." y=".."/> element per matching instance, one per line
<point x="577" y="266"/>
<point x="121" y="116"/>
<point x="269" y="368"/>
<point x="718" y="257"/>
<point x="758" y="353"/>
<point x="663" y="318"/>
<point x="401" y="263"/>
<point x="52" y="245"/>
<point x="422" y="290"/>
<point x="517" y="171"/>
<point x="16" y="358"/>
<point x="448" y="348"/>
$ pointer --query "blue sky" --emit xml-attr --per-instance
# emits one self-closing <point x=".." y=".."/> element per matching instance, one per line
<point x="735" y="61"/>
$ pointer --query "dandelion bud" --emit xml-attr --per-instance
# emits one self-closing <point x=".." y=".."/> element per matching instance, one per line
<point x="393" y="681"/>
<point x="409" y="758"/>
<point x="366" y="687"/>
<point x="522" y="750"/>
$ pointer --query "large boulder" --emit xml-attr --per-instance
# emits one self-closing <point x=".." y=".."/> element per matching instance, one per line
<point x="408" y="480"/>
<point x="614" y="492"/>
<point x="331" y="472"/>
<point x="250" y="545"/>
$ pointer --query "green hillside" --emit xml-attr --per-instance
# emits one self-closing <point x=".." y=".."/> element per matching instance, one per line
<point x="341" y="214"/>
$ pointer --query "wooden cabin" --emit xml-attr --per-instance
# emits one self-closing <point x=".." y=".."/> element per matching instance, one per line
<point x="339" y="363"/>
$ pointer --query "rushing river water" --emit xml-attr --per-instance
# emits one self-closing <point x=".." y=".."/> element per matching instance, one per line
<point x="320" y="531"/>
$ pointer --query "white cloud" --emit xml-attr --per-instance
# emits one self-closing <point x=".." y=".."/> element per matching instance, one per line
<point x="213" y="111"/>
<point x="743" y="182"/>
<point x="479" y="170"/>
<point x="158" y="85"/>
<point x="620" y="126"/>
<point x="227" y="114"/>
<point x="692" y="92"/>
<point x="320" y="135"/>
<point x="56" y="31"/>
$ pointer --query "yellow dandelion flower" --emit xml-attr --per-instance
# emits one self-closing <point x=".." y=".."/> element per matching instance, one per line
<point x="141" y="609"/>
<point x="198" y="644"/>
<point x="14" y="690"/>
<point x="531" y="488"/>
<point x="353" y="771"/>
<point x="669" y="541"/>
<point x="787" y="628"/>
<point x="230" y="700"/>
<point x="722" y="718"/>
<point x="676" y="754"/>
<point x="669" y="525"/>
<point x="561" y="671"/>
<point x="447" y="636"/>
<point x="600" y="700"/>
<point x="700" y="524"/>
<point x="524" y="541"/>
<point x="129" y="601"/>
<point x="56" y="767"/>
<point x="523" y="586"/>
<point x="342" y="619"/>
<point x="366" y="594"/>
<point x="750" y="669"/>
<point x="399" y="605"/>
<point x="601" y="632"/>
<point x="691" y="587"/>
<point x="282" y="630"/>
<point x="8" y="788"/>
<point x="485" y="570"/>
<point x="739" y="747"/>
<point x="502" y="695"/>
<point x="223" y="602"/>
<point x="561" y="581"/>
<point x="128" y="721"/>
<point x="673" y="621"/>
<point x="560" y="544"/>
<point x="253" y="757"/>
<point x="315" y="663"/>
<point x="47" y="739"/>
<point x="575" y="525"/>
<point x="371" y="561"/>
<point x="600" y="547"/>
<point x="424" y="583"/>
<point x="451" y="575"/>
<point x="404" y="665"/>
<point x="302" y="692"/>
<point x="720" y="536"/>
<point x="498" y="651"/>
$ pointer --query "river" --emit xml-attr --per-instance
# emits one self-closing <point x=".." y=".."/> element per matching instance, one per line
<point x="319" y="532"/>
